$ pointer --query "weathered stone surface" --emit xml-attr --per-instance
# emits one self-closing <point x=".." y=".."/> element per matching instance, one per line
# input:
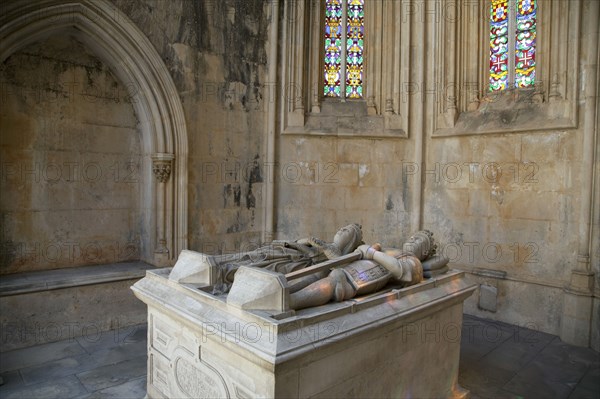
<point x="113" y="374"/>
<point x="488" y="297"/>
<point x="67" y="387"/>
<point x="33" y="356"/>
<point x="47" y="316"/>
<point x="71" y="155"/>
<point x="518" y="297"/>
<point x="204" y="346"/>
<point x="256" y="289"/>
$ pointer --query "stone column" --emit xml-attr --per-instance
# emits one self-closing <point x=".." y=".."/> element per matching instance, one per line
<point x="270" y="136"/>
<point x="161" y="167"/>
<point x="576" y="321"/>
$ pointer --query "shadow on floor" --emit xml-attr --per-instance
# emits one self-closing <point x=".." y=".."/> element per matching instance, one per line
<point x="500" y="360"/>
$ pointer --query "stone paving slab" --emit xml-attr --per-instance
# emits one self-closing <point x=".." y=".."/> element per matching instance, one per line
<point x="134" y="389"/>
<point x="536" y="382"/>
<point x="120" y="353"/>
<point x="487" y="381"/>
<point x="34" y="355"/>
<point x="591" y="380"/>
<point x="118" y="337"/>
<point x="589" y="386"/>
<point x="61" y="388"/>
<point x="114" y="374"/>
<point x="524" y="364"/>
<point x="517" y="351"/>
<point x="478" y="339"/>
<point x="10" y="379"/>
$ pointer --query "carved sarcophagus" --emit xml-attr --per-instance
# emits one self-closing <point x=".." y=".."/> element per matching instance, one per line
<point x="400" y="342"/>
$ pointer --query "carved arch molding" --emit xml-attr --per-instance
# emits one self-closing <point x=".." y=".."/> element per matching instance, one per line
<point x="119" y="43"/>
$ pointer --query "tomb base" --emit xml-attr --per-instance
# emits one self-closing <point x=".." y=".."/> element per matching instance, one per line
<point x="396" y="343"/>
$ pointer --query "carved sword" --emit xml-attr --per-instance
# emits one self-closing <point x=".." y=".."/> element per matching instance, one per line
<point x="328" y="264"/>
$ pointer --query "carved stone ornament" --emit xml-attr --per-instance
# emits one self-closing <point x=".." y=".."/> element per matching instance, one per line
<point x="161" y="166"/>
<point x="199" y="382"/>
<point x="162" y="171"/>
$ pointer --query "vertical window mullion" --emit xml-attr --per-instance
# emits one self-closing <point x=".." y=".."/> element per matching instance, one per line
<point x="512" y="32"/>
<point x="344" y="51"/>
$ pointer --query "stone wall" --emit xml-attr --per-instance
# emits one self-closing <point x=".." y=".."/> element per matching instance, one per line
<point x="508" y="205"/>
<point x="70" y="153"/>
<point x="501" y="180"/>
<point x="216" y="54"/>
<point x="326" y="183"/>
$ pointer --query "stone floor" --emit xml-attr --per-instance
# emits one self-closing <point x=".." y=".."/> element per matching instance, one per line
<point x="500" y="360"/>
<point x="497" y="361"/>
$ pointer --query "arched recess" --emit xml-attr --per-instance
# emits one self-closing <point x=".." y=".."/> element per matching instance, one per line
<point x="117" y="41"/>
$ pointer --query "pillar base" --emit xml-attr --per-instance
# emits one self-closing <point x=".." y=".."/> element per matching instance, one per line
<point x="576" y="318"/>
<point x="161" y="259"/>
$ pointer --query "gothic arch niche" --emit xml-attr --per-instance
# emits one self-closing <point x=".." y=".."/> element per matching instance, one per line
<point x="120" y="45"/>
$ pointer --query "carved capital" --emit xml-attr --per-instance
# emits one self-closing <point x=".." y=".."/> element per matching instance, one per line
<point x="162" y="171"/>
<point x="161" y="166"/>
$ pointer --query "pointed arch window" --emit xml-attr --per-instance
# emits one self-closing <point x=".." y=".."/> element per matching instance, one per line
<point x="512" y="44"/>
<point x="344" y="48"/>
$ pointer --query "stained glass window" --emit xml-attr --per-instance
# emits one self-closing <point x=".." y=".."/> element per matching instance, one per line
<point x="525" y="43"/>
<point x="498" y="45"/>
<point x="512" y="43"/>
<point x="354" y="48"/>
<point x="333" y="47"/>
<point x="343" y="63"/>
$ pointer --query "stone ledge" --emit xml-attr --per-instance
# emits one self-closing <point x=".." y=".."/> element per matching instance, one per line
<point x="23" y="283"/>
<point x="506" y="113"/>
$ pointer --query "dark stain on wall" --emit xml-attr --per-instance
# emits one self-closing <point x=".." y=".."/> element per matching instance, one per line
<point x="199" y="20"/>
<point x="237" y="195"/>
<point x="232" y="192"/>
<point x="406" y="197"/>
<point x="389" y="204"/>
<point x="254" y="175"/>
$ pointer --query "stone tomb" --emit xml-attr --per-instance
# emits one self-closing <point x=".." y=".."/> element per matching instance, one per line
<point x="395" y="343"/>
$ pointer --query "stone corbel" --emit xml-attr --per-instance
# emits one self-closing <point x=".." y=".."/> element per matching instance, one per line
<point x="316" y="106"/>
<point x="296" y="118"/>
<point x="162" y="164"/>
<point x="554" y="90"/>
<point x="473" y="104"/>
<point x="392" y="121"/>
<point x="371" y="107"/>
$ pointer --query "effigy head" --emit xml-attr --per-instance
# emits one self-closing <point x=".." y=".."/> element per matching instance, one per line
<point x="348" y="238"/>
<point x="421" y="244"/>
